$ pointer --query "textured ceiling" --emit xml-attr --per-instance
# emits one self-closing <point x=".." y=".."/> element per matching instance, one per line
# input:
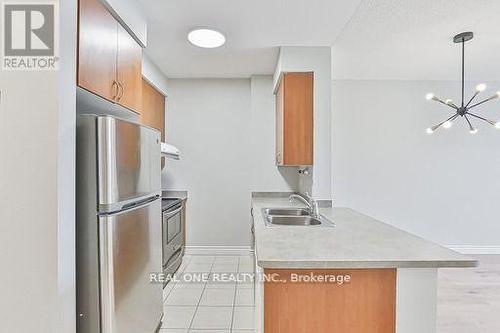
<point x="254" y="30"/>
<point x="412" y="39"/>
<point x="372" y="39"/>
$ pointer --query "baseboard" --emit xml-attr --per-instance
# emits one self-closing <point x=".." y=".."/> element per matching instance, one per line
<point x="465" y="249"/>
<point x="219" y="250"/>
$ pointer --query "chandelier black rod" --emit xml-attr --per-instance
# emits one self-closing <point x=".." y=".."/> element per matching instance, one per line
<point x="491" y="122"/>
<point x="468" y="121"/>
<point x="482" y="102"/>
<point x="463" y="71"/>
<point x="451" y="105"/>
<point x="472" y="98"/>
<point x="444" y="121"/>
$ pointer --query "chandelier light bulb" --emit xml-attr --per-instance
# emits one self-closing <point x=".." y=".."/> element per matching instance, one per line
<point x="430" y="96"/>
<point x="449" y="101"/>
<point x="447" y="124"/>
<point x="429" y="130"/>
<point x="498" y="94"/>
<point x="473" y="131"/>
<point x="481" y="87"/>
<point x="497" y="125"/>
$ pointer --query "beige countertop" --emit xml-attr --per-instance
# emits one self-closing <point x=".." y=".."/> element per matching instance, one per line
<point x="356" y="241"/>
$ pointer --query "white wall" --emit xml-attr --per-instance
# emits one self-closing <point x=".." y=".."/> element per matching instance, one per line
<point x="66" y="288"/>
<point x="317" y="60"/>
<point x="225" y="130"/>
<point x="36" y="200"/>
<point x="265" y="175"/>
<point x="444" y="187"/>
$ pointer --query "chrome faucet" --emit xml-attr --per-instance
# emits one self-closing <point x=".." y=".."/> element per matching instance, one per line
<point x="311" y="204"/>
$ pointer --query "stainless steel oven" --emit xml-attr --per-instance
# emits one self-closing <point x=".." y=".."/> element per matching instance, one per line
<point x="172" y="234"/>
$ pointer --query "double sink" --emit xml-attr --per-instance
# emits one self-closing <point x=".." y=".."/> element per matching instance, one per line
<point x="294" y="217"/>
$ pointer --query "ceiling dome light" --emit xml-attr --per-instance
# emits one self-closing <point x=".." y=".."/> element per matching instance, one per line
<point x="206" y="38"/>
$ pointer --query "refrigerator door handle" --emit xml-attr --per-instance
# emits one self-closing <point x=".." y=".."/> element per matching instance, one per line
<point x="131" y="204"/>
<point x="140" y="202"/>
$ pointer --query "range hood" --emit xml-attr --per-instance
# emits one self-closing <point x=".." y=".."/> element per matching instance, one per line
<point x="170" y="151"/>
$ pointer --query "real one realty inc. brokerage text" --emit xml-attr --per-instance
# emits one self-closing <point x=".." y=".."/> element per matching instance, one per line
<point x="214" y="277"/>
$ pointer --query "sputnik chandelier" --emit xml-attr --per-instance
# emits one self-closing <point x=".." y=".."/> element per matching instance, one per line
<point x="464" y="110"/>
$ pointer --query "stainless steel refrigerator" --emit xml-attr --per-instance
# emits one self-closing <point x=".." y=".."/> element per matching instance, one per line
<point x="118" y="232"/>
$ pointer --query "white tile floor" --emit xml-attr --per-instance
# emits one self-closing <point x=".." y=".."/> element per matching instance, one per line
<point x="210" y="306"/>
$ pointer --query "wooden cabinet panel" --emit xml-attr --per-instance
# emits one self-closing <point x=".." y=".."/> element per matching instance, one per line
<point x="279" y="124"/>
<point x="129" y="71"/>
<point x="109" y="59"/>
<point x="97" y="49"/>
<point x="153" y="110"/>
<point x="366" y="304"/>
<point x="295" y="119"/>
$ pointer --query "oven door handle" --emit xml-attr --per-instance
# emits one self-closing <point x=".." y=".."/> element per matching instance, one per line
<point x="172" y="213"/>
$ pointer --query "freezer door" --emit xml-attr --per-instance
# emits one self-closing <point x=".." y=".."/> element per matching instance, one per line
<point x="130" y="249"/>
<point x="128" y="162"/>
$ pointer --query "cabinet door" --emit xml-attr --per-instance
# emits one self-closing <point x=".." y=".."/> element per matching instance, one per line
<point x="298" y="130"/>
<point x="153" y="110"/>
<point x="129" y="71"/>
<point x="365" y="304"/>
<point x="279" y="123"/>
<point x="97" y="49"/>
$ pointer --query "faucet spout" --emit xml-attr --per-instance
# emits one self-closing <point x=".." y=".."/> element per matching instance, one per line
<point x="311" y="204"/>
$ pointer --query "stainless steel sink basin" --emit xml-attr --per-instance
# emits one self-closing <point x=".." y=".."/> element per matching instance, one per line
<point x="294" y="217"/>
<point x="293" y="220"/>
<point x="286" y="212"/>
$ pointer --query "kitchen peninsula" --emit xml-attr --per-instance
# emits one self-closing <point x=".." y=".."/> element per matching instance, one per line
<point x="389" y="276"/>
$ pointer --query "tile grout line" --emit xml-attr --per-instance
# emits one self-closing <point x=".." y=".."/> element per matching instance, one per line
<point x="234" y="297"/>
<point x="201" y="296"/>
<point x="185" y="263"/>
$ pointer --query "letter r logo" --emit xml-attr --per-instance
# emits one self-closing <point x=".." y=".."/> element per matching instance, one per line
<point x="29" y="30"/>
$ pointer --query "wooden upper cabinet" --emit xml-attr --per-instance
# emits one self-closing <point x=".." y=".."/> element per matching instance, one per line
<point x="109" y="59"/>
<point x="129" y="71"/>
<point x="153" y="110"/>
<point x="97" y="49"/>
<point x="295" y="120"/>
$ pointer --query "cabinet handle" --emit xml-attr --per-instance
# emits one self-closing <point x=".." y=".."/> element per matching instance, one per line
<point x="122" y="91"/>
<point x="115" y="84"/>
